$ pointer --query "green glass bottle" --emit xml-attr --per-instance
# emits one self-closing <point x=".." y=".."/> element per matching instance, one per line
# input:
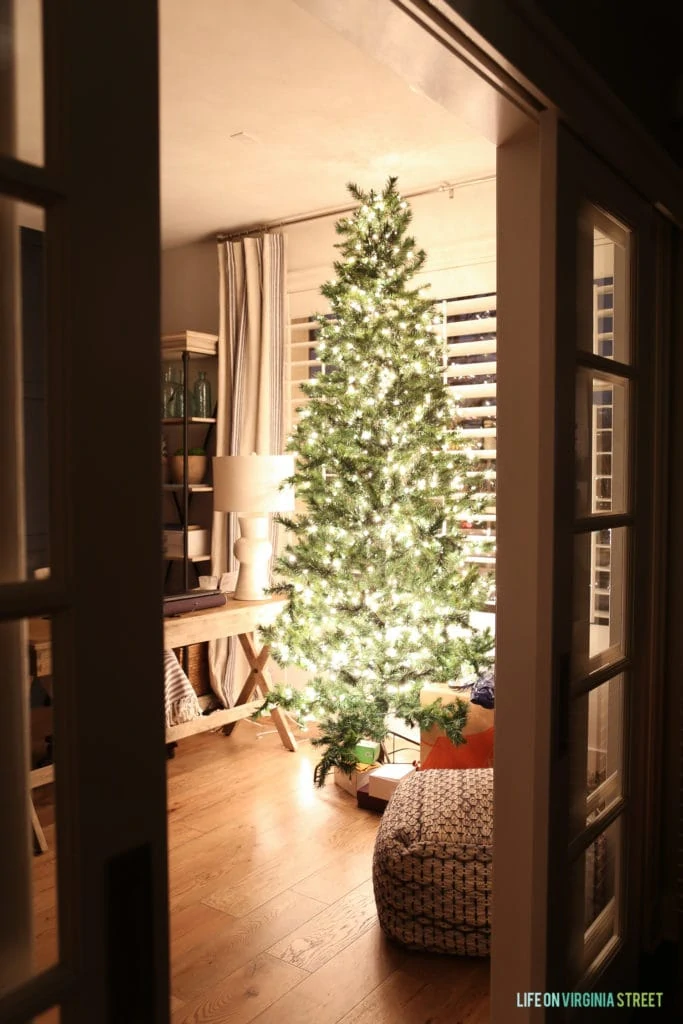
<point x="202" y="396"/>
<point x="167" y="393"/>
<point x="179" y="399"/>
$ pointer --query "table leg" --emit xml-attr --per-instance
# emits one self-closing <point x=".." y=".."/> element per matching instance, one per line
<point x="260" y="676"/>
<point x="39" y="777"/>
<point x="39" y="840"/>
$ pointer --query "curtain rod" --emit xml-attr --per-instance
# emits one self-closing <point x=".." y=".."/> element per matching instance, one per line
<point x="445" y="186"/>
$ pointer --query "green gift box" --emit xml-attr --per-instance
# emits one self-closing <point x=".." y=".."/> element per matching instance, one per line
<point x="366" y="751"/>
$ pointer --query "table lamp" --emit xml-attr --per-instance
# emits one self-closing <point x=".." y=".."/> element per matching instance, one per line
<point x="250" y="485"/>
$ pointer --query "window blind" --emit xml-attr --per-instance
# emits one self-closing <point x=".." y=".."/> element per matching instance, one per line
<point x="602" y="448"/>
<point x="468" y="325"/>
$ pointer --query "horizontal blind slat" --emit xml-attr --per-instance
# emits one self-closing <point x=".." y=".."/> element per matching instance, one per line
<point x="473" y="390"/>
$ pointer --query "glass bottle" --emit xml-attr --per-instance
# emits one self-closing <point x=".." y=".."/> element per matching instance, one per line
<point x="202" y="396"/>
<point x="167" y="393"/>
<point x="179" y="400"/>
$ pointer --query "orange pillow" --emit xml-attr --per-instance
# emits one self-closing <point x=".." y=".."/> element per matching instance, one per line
<point x="476" y="752"/>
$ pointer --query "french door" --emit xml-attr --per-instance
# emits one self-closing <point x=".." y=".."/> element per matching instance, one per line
<point x="603" y="635"/>
<point x="579" y="469"/>
<point x="83" y="896"/>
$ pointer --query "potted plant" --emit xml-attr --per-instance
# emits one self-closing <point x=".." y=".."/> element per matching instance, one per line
<point x="196" y="465"/>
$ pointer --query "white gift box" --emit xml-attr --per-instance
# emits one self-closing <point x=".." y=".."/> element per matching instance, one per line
<point x="384" y="780"/>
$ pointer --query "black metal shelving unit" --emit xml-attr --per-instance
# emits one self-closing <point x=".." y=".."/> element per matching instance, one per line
<point x="184" y="346"/>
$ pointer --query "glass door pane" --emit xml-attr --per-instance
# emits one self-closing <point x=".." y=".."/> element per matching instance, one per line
<point x="601" y="642"/>
<point x="602" y="424"/>
<point x="602" y="867"/>
<point x="600" y="589"/>
<point x="597" y="752"/>
<point x="24" y="394"/>
<point x="605" y="326"/>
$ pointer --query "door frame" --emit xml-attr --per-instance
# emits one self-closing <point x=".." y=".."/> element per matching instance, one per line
<point x="116" y="163"/>
<point x="526" y="48"/>
<point x="99" y="187"/>
<point x="525" y="956"/>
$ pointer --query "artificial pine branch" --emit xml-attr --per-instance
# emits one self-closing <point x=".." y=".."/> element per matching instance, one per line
<point x="377" y="570"/>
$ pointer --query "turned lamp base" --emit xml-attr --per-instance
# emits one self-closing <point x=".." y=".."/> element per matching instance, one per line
<point x="253" y="550"/>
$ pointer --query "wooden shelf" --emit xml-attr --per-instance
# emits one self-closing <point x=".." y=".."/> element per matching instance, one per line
<point x="206" y="488"/>
<point x="188" y="346"/>
<point x="176" y="421"/>
<point x="191" y="558"/>
<point x="195" y="342"/>
<point x="215" y="720"/>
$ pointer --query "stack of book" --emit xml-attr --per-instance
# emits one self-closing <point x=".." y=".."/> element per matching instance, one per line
<point x="193" y="601"/>
<point x="197" y="541"/>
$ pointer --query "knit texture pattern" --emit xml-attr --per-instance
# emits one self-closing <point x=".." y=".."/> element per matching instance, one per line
<point x="432" y="865"/>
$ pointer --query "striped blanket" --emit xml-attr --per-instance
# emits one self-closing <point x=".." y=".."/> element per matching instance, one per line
<point x="181" y="704"/>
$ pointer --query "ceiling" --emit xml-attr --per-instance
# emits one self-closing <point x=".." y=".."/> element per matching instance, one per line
<point x="266" y="113"/>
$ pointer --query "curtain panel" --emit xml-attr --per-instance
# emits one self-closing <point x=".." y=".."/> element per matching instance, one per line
<point x="250" y="417"/>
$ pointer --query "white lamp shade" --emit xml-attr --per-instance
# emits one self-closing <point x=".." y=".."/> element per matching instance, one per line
<point x="250" y="484"/>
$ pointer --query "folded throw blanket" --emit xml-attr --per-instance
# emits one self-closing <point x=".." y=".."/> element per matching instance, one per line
<point x="484" y="691"/>
<point x="181" y="704"/>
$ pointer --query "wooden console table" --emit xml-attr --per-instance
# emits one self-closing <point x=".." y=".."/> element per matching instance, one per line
<point x="235" y="618"/>
<point x="240" y="619"/>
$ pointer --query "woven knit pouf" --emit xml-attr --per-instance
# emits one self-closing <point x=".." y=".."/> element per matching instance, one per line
<point x="432" y="867"/>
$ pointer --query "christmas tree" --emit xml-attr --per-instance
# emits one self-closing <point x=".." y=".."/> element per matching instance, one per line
<point x="376" y="571"/>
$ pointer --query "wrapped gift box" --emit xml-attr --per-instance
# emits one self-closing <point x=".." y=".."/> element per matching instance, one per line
<point x="351" y="783"/>
<point x="367" y="802"/>
<point x="384" y="780"/>
<point x="367" y="752"/>
<point x="437" y="751"/>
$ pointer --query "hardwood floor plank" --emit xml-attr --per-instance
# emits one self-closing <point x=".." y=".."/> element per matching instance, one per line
<point x="325" y="996"/>
<point x="194" y="926"/>
<point x="250" y="834"/>
<point x="433" y="967"/>
<point x="235" y="856"/>
<point x="242" y="995"/>
<point x="345" y="872"/>
<point x="477" y="1010"/>
<point x="179" y="832"/>
<point x="461" y="1002"/>
<point x="222" y="858"/>
<point x="44" y="900"/>
<point x="389" y="1002"/>
<point x="314" y="943"/>
<point x="455" y="996"/>
<point x="239" y="941"/>
<point x="263" y="882"/>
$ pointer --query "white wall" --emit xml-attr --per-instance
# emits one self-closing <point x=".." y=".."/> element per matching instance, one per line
<point x="458" y="234"/>
<point x="189" y="288"/>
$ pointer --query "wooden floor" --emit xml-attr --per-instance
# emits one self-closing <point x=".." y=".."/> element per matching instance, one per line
<point x="272" y="912"/>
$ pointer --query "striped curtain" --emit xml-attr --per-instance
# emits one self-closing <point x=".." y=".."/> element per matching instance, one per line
<point x="250" y="396"/>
